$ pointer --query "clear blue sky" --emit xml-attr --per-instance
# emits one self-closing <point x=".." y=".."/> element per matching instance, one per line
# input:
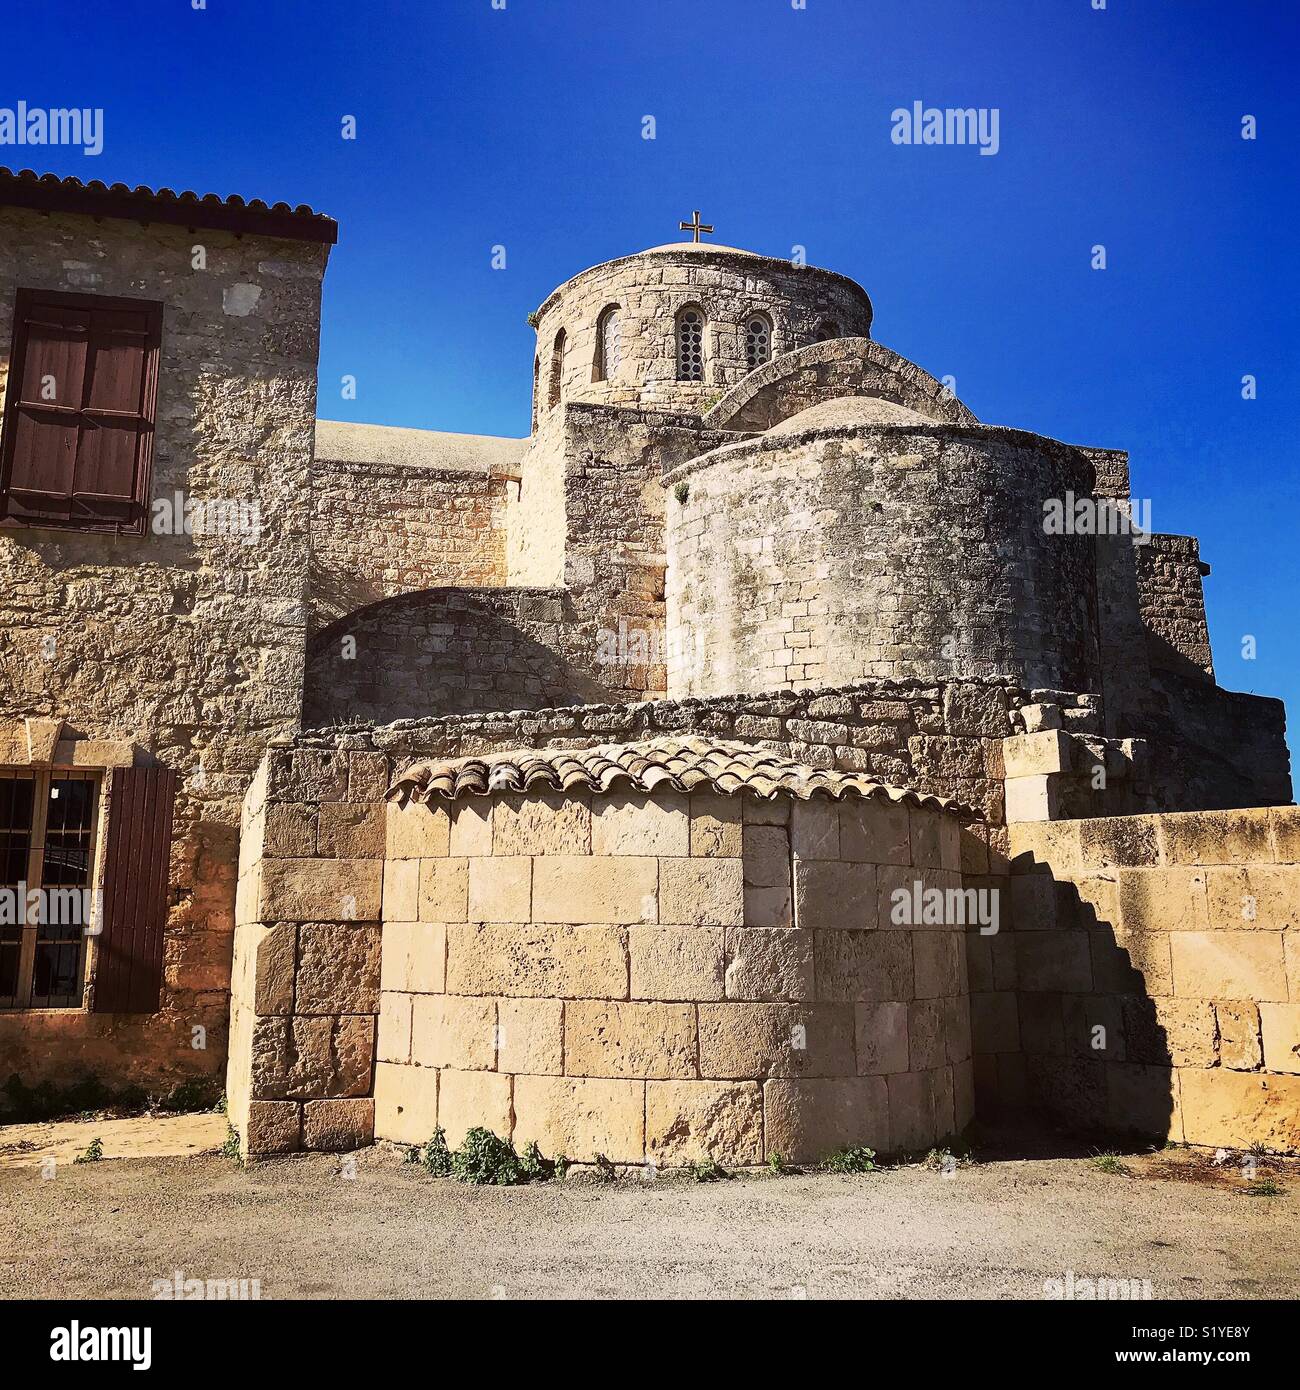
<point x="522" y="127"/>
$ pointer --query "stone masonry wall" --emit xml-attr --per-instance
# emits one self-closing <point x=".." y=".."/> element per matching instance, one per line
<point x="188" y="646"/>
<point x="1172" y="603"/>
<point x="1152" y="983"/>
<point x="670" y="978"/>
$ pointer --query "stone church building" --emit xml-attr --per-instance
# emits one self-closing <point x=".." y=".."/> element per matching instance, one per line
<point x="907" y="741"/>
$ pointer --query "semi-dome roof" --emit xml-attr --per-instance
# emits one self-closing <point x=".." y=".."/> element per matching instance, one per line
<point x="847" y="412"/>
<point x="700" y="246"/>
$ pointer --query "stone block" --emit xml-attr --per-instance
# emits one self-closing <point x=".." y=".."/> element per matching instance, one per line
<point x="417" y="830"/>
<point x="1263" y="897"/>
<point x="864" y="966"/>
<point x="305" y="1058"/>
<point x="677" y="963"/>
<point x="470" y="834"/>
<point x="1093" y="1026"/>
<point x="573" y="888"/>
<point x="394" y="1040"/>
<point x="501" y="890"/>
<point x="715" y="825"/>
<point x="395" y="956"/>
<point x="1163" y="900"/>
<point x="1035" y="799"/>
<point x="336" y="1126"/>
<point x="307" y="775"/>
<point x="926" y="1042"/>
<point x="632" y="823"/>
<point x="755" y="810"/>
<point x="1169" y="1032"/>
<point x="766" y="856"/>
<point x="745" y="1041"/>
<point x="1131" y="962"/>
<point x="807" y="1119"/>
<point x="1229" y="965"/>
<point x="368" y="776"/>
<point x="1143" y="1100"/>
<point x="537" y="960"/>
<point x="401" y="890"/>
<point x="1092" y="900"/>
<point x="881" y="1031"/>
<point x="874" y="832"/>
<point x="1054" y="960"/>
<point x="1284" y="822"/>
<point x="706" y="892"/>
<point x="956" y="1028"/>
<point x="688" y="1121"/>
<point x="351" y="830"/>
<point x="1051" y="845"/>
<point x="1042" y="1024"/>
<point x="833" y="895"/>
<point x="474" y="1099"/>
<point x="769" y="907"/>
<point x="580" y="1117"/>
<point x="1036" y="754"/>
<point x="1240" y="1046"/>
<point x="815" y="829"/>
<point x="629" y="1039"/>
<point x="338" y="968"/>
<point x="1216" y="837"/>
<point x="444" y="890"/>
<point x="306" y="890"/>
<point x="1119" y="842"/>
<point x="963" y="1096"/>
<point x="538" y="823"/>
<point x="1280" y="1026"/>
<point x="273" y="1127"/>
<point x="1237" y="1109"/>
<point x="768" y="964"/>
<point x="406" y="1104"/>
<point x="530" y="1036"/>
<point x="925" y="838"/>
<point x="936" y="958"/>
<point x="289" y="831"/>
<point x="911" y="1112"/>
<point x="276" y="965"/>
<point x="449" y="1030"/>
<point x="995" y="1024"/>
<point x="1070" y="1087"/>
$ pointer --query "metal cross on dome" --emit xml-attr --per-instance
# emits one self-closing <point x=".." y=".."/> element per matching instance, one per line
<point x="695" y="226"/>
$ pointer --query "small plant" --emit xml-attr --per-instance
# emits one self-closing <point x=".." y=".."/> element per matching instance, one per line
<point x="92" y="1153"/>
<point x="532" y="1165"/>
<point x="534" y="319"/>
<point x="1109" y="1163"/>
<point x="851" y="1161"/>
<point x="412" y="1154"/>
<point x="682" y="491"/>
<point x="777" y="1163"/>
<point x="1264" y="1187"/>
<point x="192" y="1094"/>
<point x="437" y="1156"/>
<point x="561" y="1167"/>
<point x="944" y="1160"/>
<point x="707" y="1170"/>
<point x="230" y="1149"/>
<point x="486" y="1160"/>
<point x="605" y="1169"/>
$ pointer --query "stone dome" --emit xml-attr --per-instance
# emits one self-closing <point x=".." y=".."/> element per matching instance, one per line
<point x="847" y="412"/>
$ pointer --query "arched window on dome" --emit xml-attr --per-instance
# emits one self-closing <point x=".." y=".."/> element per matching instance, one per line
<point x="557" y="371"/>
<point x="690" y="343"/>
<point x="826" y="330"/>
<point x="605" y="365"/>
<point x="758" y="340"/>
<point x="537" y="377"/>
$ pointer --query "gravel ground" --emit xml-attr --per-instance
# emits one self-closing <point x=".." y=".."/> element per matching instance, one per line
<point x="997" y="1229"/>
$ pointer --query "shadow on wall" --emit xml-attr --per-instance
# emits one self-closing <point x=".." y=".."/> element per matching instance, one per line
<point x="451" y="651"/>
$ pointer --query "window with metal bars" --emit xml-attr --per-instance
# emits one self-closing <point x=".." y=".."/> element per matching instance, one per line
<point x="690" y="344"/>
<point x="758" y="341"/>
<point x="47" y="839"/>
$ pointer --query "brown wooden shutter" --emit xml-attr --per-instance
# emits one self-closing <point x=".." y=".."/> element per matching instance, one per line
<point x="128" y="974"/>
<point x="83" y="456"/>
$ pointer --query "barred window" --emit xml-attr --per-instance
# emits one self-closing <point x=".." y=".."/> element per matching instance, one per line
<point x="758" y="341"/>
<point x="690" y="344"/>
<point x="607" y="345"/>
<point x="826" y="330"/>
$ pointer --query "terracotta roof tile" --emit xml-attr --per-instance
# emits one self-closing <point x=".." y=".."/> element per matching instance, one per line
<point x="680" y="763"/>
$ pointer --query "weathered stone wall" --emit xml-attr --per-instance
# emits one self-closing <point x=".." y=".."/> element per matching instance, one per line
<point x="649" y="290"/>
<point x="886" y="551"/>
<point x="1152" y="980"/>
<point x="381" y="529"/>
<point x="670" y="978"/>
<point x="188" y="646"/>
<point x="1172" y="600"/>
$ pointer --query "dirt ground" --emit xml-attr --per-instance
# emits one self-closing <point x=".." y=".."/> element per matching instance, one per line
<point x="303" y="1228"/>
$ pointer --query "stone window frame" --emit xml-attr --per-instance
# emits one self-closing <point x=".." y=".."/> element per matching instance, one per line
<point x="555" y="381"/>
<point x="679" y="321"/>
<point x="537" y="386"/>
<point x="827" y="331"/>
<point x="601" y="370"/>
<point x="752" y="361"/>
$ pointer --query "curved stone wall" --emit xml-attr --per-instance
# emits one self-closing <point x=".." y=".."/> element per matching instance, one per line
<point x="671" y="977"/>
<point x="650" y="289"/>
<point x="877" y="550"/>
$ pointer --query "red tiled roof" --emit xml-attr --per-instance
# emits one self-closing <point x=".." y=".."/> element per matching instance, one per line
<point x="50" y="193"/>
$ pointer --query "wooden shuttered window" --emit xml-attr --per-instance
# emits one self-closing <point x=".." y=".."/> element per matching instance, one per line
<point x="77" y="448"/>
<point x="128" y="973"/>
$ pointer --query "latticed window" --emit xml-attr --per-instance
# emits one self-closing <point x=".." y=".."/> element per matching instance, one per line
<point x="607" y="345"/>
<point x="690" y="345"/>
<point x="826" y="330"/>
<point x="758" y="341"/>
<point x="557" y="371"/>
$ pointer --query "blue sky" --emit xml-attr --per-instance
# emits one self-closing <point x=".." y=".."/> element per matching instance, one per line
<point x="522" y="127"/>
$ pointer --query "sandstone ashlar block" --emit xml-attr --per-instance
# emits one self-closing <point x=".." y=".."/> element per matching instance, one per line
<point x="1263" y="897"/>
<point x="530" y="1036"/>
<point x="537" y="823"/>
<point x="995" y="1022"/>
<point x="632" y="823"/>
<point x="806" y="1119"/>
<point x="444" y="890"/>
<point x="963" y="1095"/>
<point x="580" y="1117"/>
<point x="831" y="894"/>
<point x="1037" y="754"/>
<point x="688" y="1121"/>
<point x="272" y="1127"/>
<point x="768" y="964"/>
<point x="677" y="963"/>
<point x="448" y="1030"/>
<point x="335" y="1126"/>
<point x="394" y="1040"/>
<point x="863" y="966"/>
<point x="417" y="831"/>
<point x="1143" y="1100"/>
<point x="937" y="963"/>
<point x="1131" y="962"/>
<point x="467" y="1099"/>
<point x="1216" y="837"/>
<point x="368" y="777"/>
<point x="350" y="830"/>
<point x="1042" y="1024"/>
<point x="608" y="1039"/>
<point x="1093" y="1026"/>
<point x="742" y="1041"/>
<point x="755" y="810"/>
<point x="1165" y="1032"/>
<point x="312" y="890"/>
<point x="338" y="968"/>
<point x="276" y="960"/>
<point x="406" y="1103"/>
<point x="1284" y="822"/>
<point x="704" y="892"/>
<point x="1163" y="900"/>
<point x="1092" y="900"/>
<point x="307" y="775"/>
<point x="307" y="1058"/>
<point x="881" y="1031"/>
<point x="815" y="829"/>
<point x="1055" y="960"/>
<point x="401" y="890"/>
<point x="926" y="1044"/>
<point x="1240" y="1046"/>
<point x="1046" y="845"/>
<point x="289" y="831"/>
<point x="1033" y="799"/>
<point x="925" y="838"/>
<point x="571" y="888"/>
<point x="537" y="960"/>
<point x="715" y="825"/>
<point x="501" y="890"/>
<point x="1229" y="965"/>
<point x="874" y="832"/>
<point x="1280" y="1026"/>
<point x="956" y="1028"/>
<point x="1236" y="1109"/>
<point x="1119" y="842"/>
<point x="471" y="827"/>
<point x="942" y="1102"/>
